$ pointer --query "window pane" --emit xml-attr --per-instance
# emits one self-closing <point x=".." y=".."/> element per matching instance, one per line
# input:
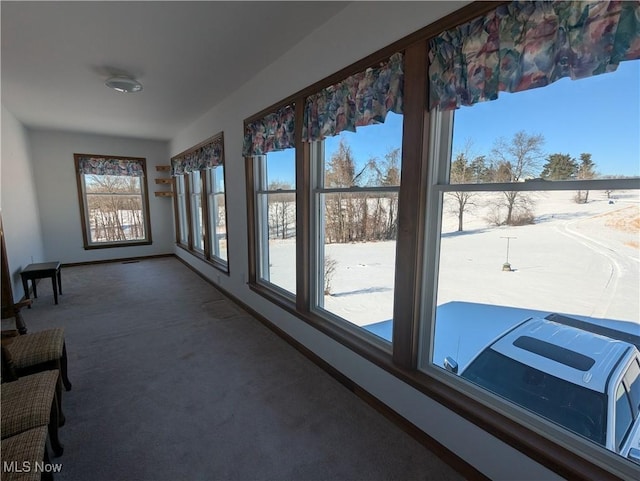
<point x="552" y="132"/>
<point x="196" y="211"/>
<point x="559" y="256"/>
<point x="182" y="209"/>
<point x="114" y="208"/>
<point x="359" y="258"/>
<point x="624" y="417"/>
<point x="276" y="211"/>
<point x="571" y="258"/>
<point x="357" y="230"/>
<point x="545" y="278"/>
<point x="632" y="381"/>
<point x="370" y="157"/>
<point x="218" y="225"/>
<point x="217" y="212"/>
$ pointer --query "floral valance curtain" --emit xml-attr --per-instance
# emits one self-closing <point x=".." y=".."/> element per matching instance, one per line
<point x="525" y="45"/>
<point x="110" y="166"/>
<point x="270" y="133"/>
<point x="206" y="156"/>
<point x="362" y="99"/>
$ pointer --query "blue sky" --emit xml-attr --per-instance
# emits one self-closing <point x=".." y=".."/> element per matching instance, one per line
<point x="599" y="115"/>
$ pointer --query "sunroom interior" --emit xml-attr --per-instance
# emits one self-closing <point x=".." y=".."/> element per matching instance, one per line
<point x="314" y="161"/>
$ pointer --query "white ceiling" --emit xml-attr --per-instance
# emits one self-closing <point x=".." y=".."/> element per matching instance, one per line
<point x="188" y="56"/>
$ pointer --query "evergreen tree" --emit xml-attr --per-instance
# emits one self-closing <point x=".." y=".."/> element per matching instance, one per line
<point x="559" y="167"/>
<point x="480" y="172"/>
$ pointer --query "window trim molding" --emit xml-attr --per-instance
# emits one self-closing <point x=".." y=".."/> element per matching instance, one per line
<point x="83" y="207"/>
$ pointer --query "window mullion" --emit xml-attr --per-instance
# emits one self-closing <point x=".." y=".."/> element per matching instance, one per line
<point x="204" y="202"/>
<point x="411" y="218"/>
<point x="303" y="208"/>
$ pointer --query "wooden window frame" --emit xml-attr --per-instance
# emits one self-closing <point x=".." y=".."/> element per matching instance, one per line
<point x="80" y="182"/>
<point x="206" y="254"/>
<point x="403" y="362"/>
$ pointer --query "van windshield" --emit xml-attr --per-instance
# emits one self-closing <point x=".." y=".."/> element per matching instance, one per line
<point x="574" y="407"/>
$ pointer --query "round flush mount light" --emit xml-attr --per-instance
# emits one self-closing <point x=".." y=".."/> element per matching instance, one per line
<point x="123" y="84"/>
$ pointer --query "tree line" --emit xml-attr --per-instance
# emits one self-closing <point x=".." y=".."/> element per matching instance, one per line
<point x="354" y="216"/>
<point x="114" y="206"/>
<point x="350" y="215"/>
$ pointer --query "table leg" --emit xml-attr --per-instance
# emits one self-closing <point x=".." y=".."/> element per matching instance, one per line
<point x="59" y="281"/>
<point x="54" y="283"/>
<point x="35" y="289"/>
<point x="25" y="285"/>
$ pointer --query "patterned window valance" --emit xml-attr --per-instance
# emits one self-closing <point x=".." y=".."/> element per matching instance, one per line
<point x="88" y="164"/>
<point x="207" y="155"/>
<point x="362" y="99"/>
<point x="525" y="45"/>
<point x="270" y="133"/>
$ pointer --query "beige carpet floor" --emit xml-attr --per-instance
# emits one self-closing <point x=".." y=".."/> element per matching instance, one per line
<point x="172" y="381"/>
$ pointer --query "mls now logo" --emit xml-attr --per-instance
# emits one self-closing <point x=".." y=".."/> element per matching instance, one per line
<point x="30" y="467"/>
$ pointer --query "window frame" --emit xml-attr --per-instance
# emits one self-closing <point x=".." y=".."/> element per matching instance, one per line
<point x="318" y="161"/>
<point x="184" y="215"/>
<point x="212" y="194"/>
<point x="261" y="194"/>
<point x="181" y="211"/>
<point x="553" y="448"/>
<point x="197" y="229"/>
<point x="83" y="204"/>
<point x="441" y="136"/>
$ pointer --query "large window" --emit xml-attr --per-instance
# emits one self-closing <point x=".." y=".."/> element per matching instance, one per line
<point x="481" y="247"/>
<point x="200" y="201"/>
<point x="355" y="202"/>
<point x="114" y="207"/>
<point x="537" y="215"/>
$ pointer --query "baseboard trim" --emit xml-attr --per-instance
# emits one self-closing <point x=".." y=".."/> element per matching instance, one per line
<point x="120" y="259"/>
<point x="460" y="465"/>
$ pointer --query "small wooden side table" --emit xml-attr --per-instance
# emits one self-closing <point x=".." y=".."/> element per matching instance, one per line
<point x="39" y="271"/>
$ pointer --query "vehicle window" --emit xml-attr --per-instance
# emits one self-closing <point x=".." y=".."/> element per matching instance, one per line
<point x="624" y="418"/>
<point x="576" y="408"/>
<point x="632" y="381"/>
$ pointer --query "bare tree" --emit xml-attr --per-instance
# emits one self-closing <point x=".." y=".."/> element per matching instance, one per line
<point x="115" y="208"/>
<point x="516" y="160"/>
<point x="281" y="206"/>
<point x="361" y="216"/>
<point x="463" y="171"/>
<point x="340" y="172"/>
<point x="586" y="171"/>
<point x="329" y="270"/>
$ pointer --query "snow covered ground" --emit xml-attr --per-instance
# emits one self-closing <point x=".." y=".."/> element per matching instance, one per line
<point x="577" y="259"/>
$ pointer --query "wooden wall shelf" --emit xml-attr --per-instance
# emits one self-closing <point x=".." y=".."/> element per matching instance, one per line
<point x="165" y="169"/>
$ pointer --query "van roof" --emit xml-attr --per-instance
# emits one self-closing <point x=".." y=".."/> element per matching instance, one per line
<point x="575" y="355"/>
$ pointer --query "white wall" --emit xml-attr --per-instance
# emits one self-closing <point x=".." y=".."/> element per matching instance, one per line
<point x="357" y="31"/>
<point x="19" y="202"/>
<point x="55" y="180"/>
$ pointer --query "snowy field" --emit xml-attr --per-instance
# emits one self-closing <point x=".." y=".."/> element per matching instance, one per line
<point x="577" y="259"/>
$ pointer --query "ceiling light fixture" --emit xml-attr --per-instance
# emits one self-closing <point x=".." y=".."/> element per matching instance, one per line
<point x="122" y="83"/>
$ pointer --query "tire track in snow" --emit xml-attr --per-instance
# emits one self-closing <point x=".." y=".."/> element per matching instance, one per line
<point x="615" y="260"/>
